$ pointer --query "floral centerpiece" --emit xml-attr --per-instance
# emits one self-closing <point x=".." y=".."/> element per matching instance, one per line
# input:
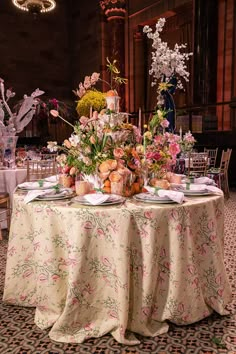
<point x="187" y="142"/>
<point x="91" y="99"/>
<point x="160" y="147"/>
<point x="104" y="150"/>
<point x="110" y="152"/>
<point x="168" y="68"/>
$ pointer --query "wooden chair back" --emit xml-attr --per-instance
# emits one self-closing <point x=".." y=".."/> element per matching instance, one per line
<point x="225" y="159"/>
<point x="223" y="174"/>
<point x="40" y="169"/>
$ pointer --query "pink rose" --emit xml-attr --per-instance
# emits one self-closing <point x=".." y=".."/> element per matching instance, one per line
<point x="165" y="123"/>
<point x="174" y="149"/>
<point x="118" y="153"/>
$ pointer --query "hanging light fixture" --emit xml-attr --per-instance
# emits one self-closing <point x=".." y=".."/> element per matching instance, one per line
<point x="35" y="6"/>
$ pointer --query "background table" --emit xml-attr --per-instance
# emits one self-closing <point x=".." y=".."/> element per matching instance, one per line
<point x="9" y="179"/>
<point x="93" y="270"/>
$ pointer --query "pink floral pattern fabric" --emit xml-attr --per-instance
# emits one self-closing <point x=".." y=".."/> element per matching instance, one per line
<point x="122" y="269"/>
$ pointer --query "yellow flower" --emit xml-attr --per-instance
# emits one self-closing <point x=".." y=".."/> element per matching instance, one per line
<point x="92" y="98"/>
<point x="163" y="86"/>
<point x="148" y="135"/>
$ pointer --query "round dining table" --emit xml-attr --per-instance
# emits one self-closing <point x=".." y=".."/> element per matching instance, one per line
<point x="122" y="269"/>
<point x="10" y="178"/>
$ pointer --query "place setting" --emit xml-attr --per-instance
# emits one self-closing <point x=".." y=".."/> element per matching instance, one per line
<point x="99" y="199"/>
<point x="159" y="196"/>
<point x="194" y="190"/>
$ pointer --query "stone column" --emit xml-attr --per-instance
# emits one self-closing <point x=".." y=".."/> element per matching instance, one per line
<point x="115" y="11"/>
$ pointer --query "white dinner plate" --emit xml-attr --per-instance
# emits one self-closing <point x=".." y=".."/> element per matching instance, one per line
<point x="112" y="200"/>
<point x="152" y="198"/>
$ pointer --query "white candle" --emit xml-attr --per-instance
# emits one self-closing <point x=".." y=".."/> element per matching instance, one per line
<point x="144" y="146"/>
<point x="180" y="132"/>
<point x="139" y="118"/>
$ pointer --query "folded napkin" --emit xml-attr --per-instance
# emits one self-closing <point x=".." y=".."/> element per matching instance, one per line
<point x="51" y="179"/>
<point x="36" y="185"/>
<point x="215" y="190"/>
<point x="204" y="180"/>
<point x="176" y="196"/>
<point x="97" y="198"/>
<point x="31" y="195"/>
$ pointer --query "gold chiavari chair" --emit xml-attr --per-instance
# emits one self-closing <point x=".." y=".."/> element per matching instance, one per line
<point x="49" y="156"/>
<point x="198" y="163"/>
<point x="223" y="171"/>
<point x="5" y="211"/>
<point x="212" y="156"/>
<point x="40" y="169"/>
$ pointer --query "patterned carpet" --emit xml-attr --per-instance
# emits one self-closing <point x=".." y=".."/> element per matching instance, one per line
<point x="216" y="334"/>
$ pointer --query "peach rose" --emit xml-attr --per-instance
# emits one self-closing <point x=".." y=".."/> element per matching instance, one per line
<point x="67" y="143"/>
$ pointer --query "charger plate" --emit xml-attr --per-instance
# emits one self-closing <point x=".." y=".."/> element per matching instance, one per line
<point x="195" y="193"/>
<point x="28" y="186"/>
<point x="152" y="198"/>
<point x="63" y="194"/>
<point x="112" y="200"/>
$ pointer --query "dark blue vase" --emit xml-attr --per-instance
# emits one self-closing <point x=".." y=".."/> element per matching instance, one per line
<point x="169" y="103"/>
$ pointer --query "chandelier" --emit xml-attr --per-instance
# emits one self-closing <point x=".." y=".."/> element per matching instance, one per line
<point x="35" y="6"/>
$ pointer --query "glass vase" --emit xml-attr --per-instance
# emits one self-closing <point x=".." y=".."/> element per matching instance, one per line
<point x="8" y="143"/>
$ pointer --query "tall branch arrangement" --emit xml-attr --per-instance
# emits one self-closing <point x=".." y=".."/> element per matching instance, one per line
<point x="166" y="63"/>
<point x="14" y="122"/>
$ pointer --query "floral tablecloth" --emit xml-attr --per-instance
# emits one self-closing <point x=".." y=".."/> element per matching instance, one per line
<point x="122" y="269"/>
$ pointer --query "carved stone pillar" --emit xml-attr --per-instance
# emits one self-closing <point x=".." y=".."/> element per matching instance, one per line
<point x="115" y="12"/>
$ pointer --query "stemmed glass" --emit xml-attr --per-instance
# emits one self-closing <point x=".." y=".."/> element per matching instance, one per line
<point x="145" y="175"/>
<point x="8" y="158"/>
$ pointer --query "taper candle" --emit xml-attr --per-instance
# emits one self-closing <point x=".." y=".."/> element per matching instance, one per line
<point x="180" y="132"/>
<point x="139" y="118"/>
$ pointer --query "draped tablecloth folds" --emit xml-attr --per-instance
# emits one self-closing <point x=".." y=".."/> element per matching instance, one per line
<point x="119" y="269"/>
